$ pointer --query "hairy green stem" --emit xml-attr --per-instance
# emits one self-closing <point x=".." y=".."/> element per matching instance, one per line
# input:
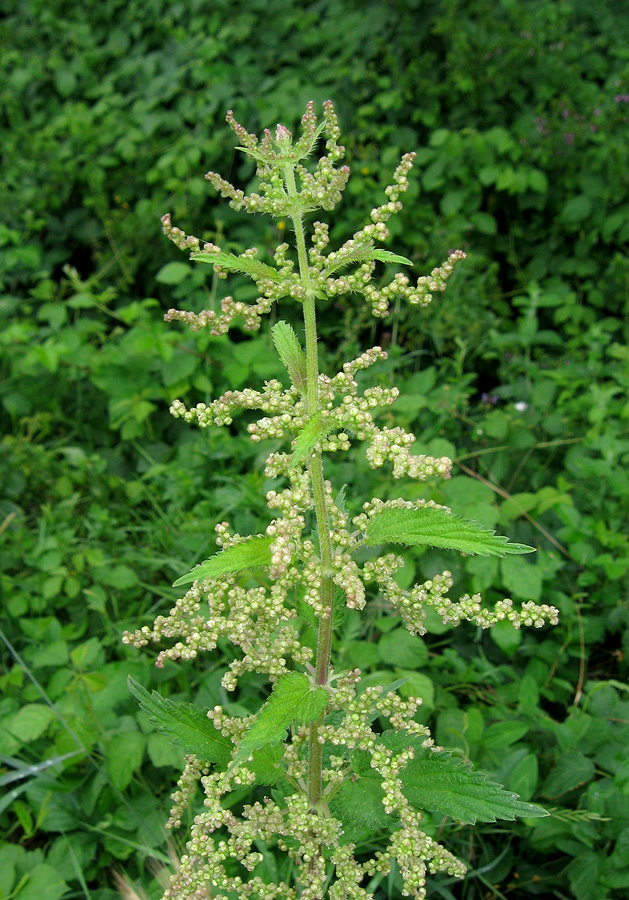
<point x="324" y="643"/>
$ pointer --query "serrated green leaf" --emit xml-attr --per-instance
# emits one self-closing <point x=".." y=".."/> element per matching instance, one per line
<point x="252" y="553"/>
<point x="246" y="264"/>
<point x="432" y="527"/>
<point x="388" y="256"/>
<point x="265" y="764"/>
<point x="439" y="782"/>
<point x="186" y="725"/>
<point x="312" y="432"/>
<point x="293" y="700"/>
<point x="359" y="255"/>
<point x="254" y="154"/>
<point x="306" y="143"/>
<point x="358" y="804"/>
<point x="339" y="500"/>
<point x="291" y="354"/>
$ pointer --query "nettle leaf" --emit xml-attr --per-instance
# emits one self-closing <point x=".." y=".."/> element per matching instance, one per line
<point x="388" y="256"/>
<point x="315" y="428"/>
<point x="254" y="154"/>
<point x="358" y="255"/>
<point x="442" y="783"/>
<point x="294" y="700"/>
<point x="305" y="145"/>
<point x="266" y="764"/>
<point x="291" y="354"/>
<point x="428" y="526"/>
<point x="251" y="553"/>
<point x="246" y="264"/>
<point x="186" y="725"/>
<point x="358" y="804"/>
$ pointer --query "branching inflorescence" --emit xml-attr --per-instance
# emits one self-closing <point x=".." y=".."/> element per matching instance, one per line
<point x="341" y="760"/>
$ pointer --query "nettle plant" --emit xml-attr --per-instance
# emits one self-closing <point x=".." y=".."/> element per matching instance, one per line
<point x="339" y="773"/>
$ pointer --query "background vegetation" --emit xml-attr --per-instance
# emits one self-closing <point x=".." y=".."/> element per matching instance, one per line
<point x="111" y="113"/>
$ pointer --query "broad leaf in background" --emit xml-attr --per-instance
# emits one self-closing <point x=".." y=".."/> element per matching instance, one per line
<point x="432" y="527"/>
<point x="124" y="755"/>
<point x="186" y="725"/>
<point x="249" y="554"/>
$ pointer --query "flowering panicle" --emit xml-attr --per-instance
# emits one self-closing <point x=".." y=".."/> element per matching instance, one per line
<point x="331" y="758"/>
<point x="319" y="190"/>
<point x="352" y="414"/>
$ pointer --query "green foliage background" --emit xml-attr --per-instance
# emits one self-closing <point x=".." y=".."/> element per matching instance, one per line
<point x="111" y="113"/>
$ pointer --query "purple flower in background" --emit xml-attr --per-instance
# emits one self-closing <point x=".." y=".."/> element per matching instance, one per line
<point x="541" y="125"/>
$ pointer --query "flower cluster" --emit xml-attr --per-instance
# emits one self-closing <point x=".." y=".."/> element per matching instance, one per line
<point x="279" y="170"/>
<point x="321" y="190"/>
<point x="352" y="413"/>
<point x="414" y="604"/>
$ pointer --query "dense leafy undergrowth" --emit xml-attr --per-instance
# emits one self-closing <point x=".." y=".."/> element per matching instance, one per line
<point x="519" y="115"/>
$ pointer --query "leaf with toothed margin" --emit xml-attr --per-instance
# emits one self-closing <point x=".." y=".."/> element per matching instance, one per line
<point x="291" y="354"/>
<point x="257" y="270"/>
<point x="184" y="724"/>
<point x="439" y="782"/>
<point x="388" y="256"/>
<point x="428" y="526"/>
<point x="315" y="428"/>
<point x="360" y="255"/>
<point x="293" y="700"/>
<point x="251" y="553"/>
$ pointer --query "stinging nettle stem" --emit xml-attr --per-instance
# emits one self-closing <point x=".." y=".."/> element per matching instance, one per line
<point x="326" y="623"/>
